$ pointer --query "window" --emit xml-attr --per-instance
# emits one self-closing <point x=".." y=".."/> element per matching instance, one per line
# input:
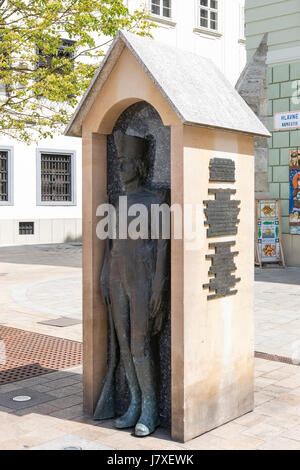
<point x="242" y="22"/>
<point x="207" y="14"/>
<point x="161" y="8"/>
<point x="3" y="89"/>
<point x="45" y="60"/>
<point x="26" y="228"/>
<point x="6" y="63"/>
<point x="6" y="177"/>
<point x="3" y="176"/>
<point x="56" y="181"/>
<point x="56" y="178"/>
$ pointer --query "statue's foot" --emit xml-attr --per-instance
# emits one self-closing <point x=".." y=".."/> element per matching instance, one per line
<point x="143" y="430"/>
<point x="129" y="419"/>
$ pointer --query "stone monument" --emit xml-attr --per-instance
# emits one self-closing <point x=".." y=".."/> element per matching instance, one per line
<point x="198" y="135"/>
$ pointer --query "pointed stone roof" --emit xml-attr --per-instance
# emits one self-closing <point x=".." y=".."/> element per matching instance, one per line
<point x="193" y="86"/>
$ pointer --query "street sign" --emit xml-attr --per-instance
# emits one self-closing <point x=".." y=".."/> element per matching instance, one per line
<point x="287" y="120"/>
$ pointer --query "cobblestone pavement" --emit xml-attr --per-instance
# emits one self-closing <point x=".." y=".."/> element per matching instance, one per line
<point x="277" y="311"/>
<point x="41" y="283"/>
<point x="57" y="421"/>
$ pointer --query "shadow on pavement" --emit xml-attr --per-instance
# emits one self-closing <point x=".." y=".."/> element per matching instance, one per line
<point x="63" y="254"/>
<point x="278" y="275"/>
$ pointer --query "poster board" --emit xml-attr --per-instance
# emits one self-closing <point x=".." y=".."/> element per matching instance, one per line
<point x="268" y="232"/>
<point x="294" y="179"/>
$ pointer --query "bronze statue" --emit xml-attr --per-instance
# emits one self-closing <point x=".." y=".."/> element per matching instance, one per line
<point x="133" y="280"/>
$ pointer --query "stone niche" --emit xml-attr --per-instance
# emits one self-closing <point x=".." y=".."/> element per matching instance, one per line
<point x="204" y="156"/>
<point x="142" y="120"/>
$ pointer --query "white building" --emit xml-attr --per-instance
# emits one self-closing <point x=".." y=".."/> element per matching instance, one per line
<point x="40" y="186"/>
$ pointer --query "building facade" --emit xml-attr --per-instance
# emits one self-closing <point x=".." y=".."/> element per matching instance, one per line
<point x="40" y="185"/>
<point x="281" y="20"/>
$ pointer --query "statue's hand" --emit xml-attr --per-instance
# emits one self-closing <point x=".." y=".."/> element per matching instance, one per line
<point x="156" y="300"/>
<point x="105" y="293"/>
<point x="157" y="312"/>
<point x="158" y="323"/>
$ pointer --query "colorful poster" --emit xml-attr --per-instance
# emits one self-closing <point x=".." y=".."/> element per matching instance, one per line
<point x="268" y="231"/>
<point x="295" y="192"/>
<point x="268" y="209"/>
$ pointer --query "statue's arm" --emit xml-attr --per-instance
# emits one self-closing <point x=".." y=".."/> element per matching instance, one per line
<point x="104" y="278"/>
<point x="160" y="277"/>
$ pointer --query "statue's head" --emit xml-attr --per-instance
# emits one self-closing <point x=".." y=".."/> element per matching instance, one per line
<point x="132" y="154"/>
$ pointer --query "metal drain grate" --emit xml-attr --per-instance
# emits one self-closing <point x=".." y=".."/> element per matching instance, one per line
<point x="30" y="354"/>
<point x="274" y="357"/>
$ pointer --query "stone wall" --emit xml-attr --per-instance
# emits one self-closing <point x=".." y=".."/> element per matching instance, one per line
<point x="284" y="82"/>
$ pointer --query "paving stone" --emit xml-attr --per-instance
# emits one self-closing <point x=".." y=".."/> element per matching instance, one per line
<point x="251" y="419"/>
<point x="291" y="382"/>
<point x="66" y="402"/>
<point x="264" y="431"/>
<point x="37" y="398"/>
<point x="71" y="441"/>
<point x="68" y="413"/>
<point x="207" y="442"/>
<point x="61" y="322"/>
<point x="66" y="382"/>
<point x="242" y="443"/>
<point x="95" y="433"/>
<point x="290" y="398"/>
<point x="66" y="391"/>
<point x="280" y="444"/>
<point x="44" y="408"/>
<point x="228" y="430"/>
<point x="279" y="374"/>
<point x="284" y="420"/>
<point x="260" y="397"/>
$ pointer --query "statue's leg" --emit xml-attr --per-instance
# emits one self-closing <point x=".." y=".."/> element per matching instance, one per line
<point x="144" y="363"/>
<point x="120" y="310"/>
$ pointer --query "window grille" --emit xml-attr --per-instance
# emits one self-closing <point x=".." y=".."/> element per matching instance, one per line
<point x="4" y="176"/>
<point x="56" y="177"/>
<point x="45" y="59"/>
<point x="26" y="228"/>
